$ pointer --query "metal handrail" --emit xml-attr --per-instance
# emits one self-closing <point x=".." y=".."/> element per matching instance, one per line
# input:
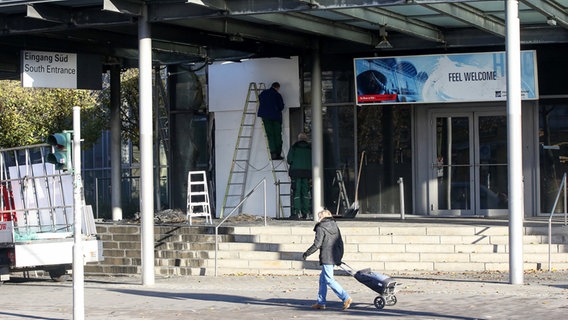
<point x="263" y="182"/>
<point x="560" y="189"/>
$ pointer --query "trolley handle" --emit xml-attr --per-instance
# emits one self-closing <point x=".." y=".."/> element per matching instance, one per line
<point x="347" y="268"/>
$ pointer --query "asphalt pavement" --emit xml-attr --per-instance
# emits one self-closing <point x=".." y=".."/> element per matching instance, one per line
<point x="542" y="295"/>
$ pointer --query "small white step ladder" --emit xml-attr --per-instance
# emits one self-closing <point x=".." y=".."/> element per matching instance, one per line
<point x="198" y="197"/>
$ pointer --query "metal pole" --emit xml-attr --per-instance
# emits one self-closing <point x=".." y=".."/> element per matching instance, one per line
<point x="146" y="155"/>
<point x="216" y="247"/>
<point x="317" y="133"/>
<point x="565" y="211"/>
<point x="115" y="145"/>
<point x="264" y="197"/>
<point x="78" y="271"/>
<point x="157" y="139"/>
<point x="515" y="151"/>
<point x="277" y="199"/>
<point x="401" y="192"/>
<point x="550" y="245"/>
<point x="97" y="198"/>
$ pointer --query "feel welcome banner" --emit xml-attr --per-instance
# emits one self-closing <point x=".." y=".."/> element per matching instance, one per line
<point x="441" y="78"/>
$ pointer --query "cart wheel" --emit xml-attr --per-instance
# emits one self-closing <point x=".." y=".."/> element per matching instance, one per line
<point x="392" y="301"/>
<point x="380" y="302"/>
<point x="59" y="275"/>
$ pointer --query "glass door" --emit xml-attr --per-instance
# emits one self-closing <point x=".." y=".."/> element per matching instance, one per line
<point x="492" y="178"/>
<point x="469" y="164"/>
<point x="451" y="191"/>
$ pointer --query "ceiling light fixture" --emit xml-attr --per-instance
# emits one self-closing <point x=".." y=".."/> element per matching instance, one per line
<point x="384" y="43"/>
<point x="236" y="37"/>
<point x="551" y="21"/>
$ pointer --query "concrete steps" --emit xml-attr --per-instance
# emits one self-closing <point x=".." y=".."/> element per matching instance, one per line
<point x="276" y="249"/>
<point x="179" y="249"/>
<point x="391" y="248"/>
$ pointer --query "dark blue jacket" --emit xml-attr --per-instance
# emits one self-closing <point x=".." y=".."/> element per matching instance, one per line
<point x="271" y="105"/>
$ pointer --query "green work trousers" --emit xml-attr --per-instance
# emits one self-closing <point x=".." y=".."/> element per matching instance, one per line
<point x="302" y="196"/>
<point x="273" y="131"/>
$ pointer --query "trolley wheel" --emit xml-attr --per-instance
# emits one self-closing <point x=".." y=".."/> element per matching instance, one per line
<point x="380" y="302"/>
<point x="392" y="300"/>
<point x="59" y="275"/>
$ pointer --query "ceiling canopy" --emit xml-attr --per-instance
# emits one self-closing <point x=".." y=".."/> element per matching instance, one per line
<point x="209" y="30"/>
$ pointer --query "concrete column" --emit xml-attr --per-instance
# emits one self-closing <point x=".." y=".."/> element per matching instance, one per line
<point x="317" y="134"/>
<point x="146" y="149"/>
<point x="515" y="145"/>
<point x="115" y="145"/>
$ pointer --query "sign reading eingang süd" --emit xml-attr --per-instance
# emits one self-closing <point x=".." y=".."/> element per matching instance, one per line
<point x="42" y="69"/>
<point x="440" y="78"/>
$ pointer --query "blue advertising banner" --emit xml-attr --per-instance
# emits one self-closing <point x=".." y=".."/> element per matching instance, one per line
<point x="440" y="78"/>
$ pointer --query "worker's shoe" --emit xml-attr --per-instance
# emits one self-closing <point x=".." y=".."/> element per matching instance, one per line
<point x="347" y="303"/>
<point x="276" y="156"/>
<point x="318" y="306"/>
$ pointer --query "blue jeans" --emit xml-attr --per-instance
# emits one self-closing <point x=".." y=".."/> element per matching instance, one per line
<point x="326" y="279"/>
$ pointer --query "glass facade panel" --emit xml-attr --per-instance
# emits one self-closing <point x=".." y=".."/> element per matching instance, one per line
<point x="553" y="149"/>
<point x="338" y="156"/>
<point x="384" y="134"/>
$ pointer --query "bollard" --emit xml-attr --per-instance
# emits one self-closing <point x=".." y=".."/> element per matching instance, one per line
<point x="401" y="191"/>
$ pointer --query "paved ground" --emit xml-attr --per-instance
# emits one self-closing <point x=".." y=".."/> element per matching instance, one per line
<point x="420" y="296"/>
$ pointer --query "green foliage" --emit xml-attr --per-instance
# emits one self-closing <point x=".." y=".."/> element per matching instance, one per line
<point x="129" y="101"/>
<point x="29" y="115"/>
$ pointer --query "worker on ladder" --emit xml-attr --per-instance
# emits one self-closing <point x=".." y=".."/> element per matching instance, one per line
<point x="270" y="109"/>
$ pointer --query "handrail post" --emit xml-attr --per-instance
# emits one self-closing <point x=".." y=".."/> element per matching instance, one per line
<point x="263" y="182"/>
<point x="565" y="202"/>
<point x="277" y="183"/>
<point x="264" y="186"/>
<point x="560" y="189"/>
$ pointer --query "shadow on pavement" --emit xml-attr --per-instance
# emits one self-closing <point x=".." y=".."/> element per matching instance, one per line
<point x="26" y="316"/>
<point x="363" y="309"/>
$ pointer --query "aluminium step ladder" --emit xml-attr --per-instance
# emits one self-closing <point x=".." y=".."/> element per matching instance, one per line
<point x="236" y="183"/>
<point x="198" y="204"/>
<point x="342" y="198"/>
